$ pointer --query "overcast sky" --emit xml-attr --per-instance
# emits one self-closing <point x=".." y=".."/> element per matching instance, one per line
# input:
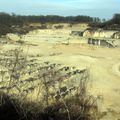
<point x="95" y="8"/>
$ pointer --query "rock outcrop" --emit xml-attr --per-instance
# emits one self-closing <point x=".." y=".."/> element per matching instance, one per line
<point x="13" y="37"/>
<point x="99" y="33"/>
<point x="117" y="35"/>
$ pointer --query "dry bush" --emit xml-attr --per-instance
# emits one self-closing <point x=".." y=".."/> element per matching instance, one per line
<point x="25" y="75"/>
<point x="82" y="106"/>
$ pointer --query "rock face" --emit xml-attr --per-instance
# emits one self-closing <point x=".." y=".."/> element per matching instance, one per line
<point x="106" y="38"/>
<point x="88" y="33"/>
<point x="49" y="32"/>
<point x="117" y="35"/>
<point x="51" y="35"/>
<point x="99" y="33"/>
<point x="13" y="37"/>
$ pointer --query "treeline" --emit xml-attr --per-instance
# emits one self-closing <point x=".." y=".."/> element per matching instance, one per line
<point x="9" y="22"/>
<point x="112" y="24"/>
<point x="12" y="19"/>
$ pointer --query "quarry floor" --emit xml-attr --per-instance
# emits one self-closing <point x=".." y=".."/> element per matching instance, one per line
<point x="103" y="63"/>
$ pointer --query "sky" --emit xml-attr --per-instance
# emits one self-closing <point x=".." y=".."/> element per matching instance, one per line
<point x="94" y="8"/>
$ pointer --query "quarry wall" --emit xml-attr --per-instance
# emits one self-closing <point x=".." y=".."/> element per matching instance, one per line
<point x="101" y="34"/>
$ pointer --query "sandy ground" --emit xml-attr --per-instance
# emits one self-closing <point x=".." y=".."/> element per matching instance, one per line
<point x="104" y="65"/>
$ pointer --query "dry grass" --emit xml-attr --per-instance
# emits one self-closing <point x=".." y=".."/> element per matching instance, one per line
<point x="21" y="76"/>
